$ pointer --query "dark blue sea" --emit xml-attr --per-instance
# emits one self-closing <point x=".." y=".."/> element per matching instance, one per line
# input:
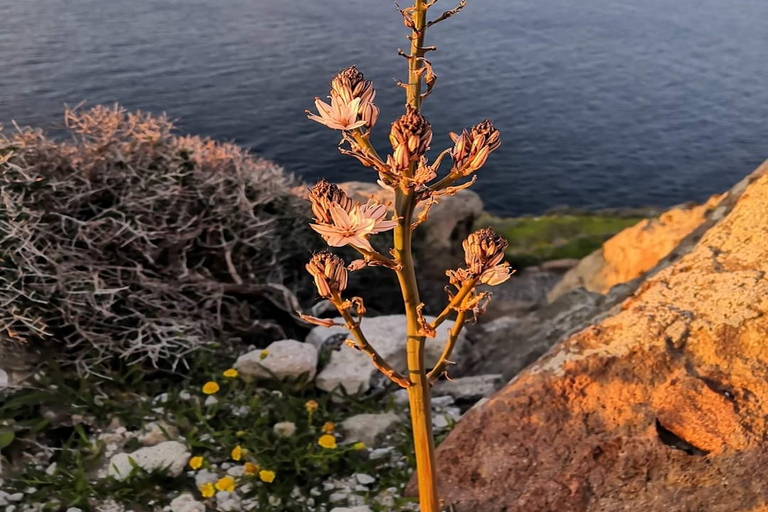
<point x="601" y="103"/>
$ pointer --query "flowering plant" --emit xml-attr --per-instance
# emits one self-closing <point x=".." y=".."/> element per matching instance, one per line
<point x="413" y="179"/>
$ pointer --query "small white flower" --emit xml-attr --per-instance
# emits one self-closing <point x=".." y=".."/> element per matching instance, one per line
<point x="285" y="428"/>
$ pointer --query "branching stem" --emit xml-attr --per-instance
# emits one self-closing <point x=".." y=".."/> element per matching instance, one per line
<point x="444" y="361"/>
<point x="362" y="344"/>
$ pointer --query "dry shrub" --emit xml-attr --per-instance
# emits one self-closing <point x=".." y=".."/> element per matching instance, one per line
<point x="130" y="241"/>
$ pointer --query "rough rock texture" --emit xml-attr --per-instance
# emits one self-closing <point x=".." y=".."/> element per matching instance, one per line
<point x="171" y="456"/>
<point x="635" y="250"/>
<point x="353" y="370"/>
<point x="284" y="359"/>
<point x="662" y="405"/>
<point x="368" y="428"/>
<point x="510" y="343"/>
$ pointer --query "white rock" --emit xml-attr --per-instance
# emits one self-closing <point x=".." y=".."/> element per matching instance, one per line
<point x="284" y="359"/>
<point x="74" y="509"/>
<point x="236" y="471"/>
<point x="364" y="479"/>
<point x="170" y="455"/>
<point x="51" y="470"/>
<point x="352" y="369"/>
<point x="227" y="501"/>
<point x="360" y="508"/>
<point x="285" y="428"/>
<point x="17" y="496"/>
<point x="368" y="427"/>
<point x="205" y="476"/>
<point x="210" y="400"/>
<point x="4" y="379"/>
<point x="380" y="453"/>
<point x="186" y="503"/>
<point x="156" y="432"/>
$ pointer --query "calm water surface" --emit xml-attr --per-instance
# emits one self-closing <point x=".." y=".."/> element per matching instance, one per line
<point x="602" y="103"/>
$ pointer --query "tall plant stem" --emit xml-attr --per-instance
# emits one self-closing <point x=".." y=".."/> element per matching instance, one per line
<point x="419" y="393"/>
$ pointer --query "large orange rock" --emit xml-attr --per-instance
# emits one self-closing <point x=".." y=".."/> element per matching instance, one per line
<point x="660" y="406"/>
<point x="635" y="250"/>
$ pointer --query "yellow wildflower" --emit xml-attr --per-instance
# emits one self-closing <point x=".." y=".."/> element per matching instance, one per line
<point x="237" y="452"/>
<point x="226" y="484"/>
<point x="264" y="354"/>
<point x="327" y="441"/>
<point x="328" y="427"/>
<point x="207" y="490"/>
<point x="267" y="476"/>
<point x="250" y="469"/>
<point x="195" y="462"/>
<point x="231" y="373"/>
<point x="210" y="388"/>
<point x="359" y="446"/>
<point x="311" y="405"/>
<point x="240" y="433"/>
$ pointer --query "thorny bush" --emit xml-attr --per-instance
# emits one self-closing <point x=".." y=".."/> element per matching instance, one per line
<point x="129" y="241"/>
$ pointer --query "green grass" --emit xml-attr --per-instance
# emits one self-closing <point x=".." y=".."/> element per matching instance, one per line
<point x="533" y="240"/>
<point x="64" y="413"/>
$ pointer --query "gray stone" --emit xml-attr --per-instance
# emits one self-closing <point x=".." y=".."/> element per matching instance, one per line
<point x="469" y="388"/>
<point x="284" y="359"/>
<point x="368" y="427"/>
<point x="186" y="503"/>
<point x="359" y="508"/>
<point x="169" y="455"/>
<point x="353" y="370"/>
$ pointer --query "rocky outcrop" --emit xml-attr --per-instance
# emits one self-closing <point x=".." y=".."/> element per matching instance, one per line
<point x="508" y="344"/>
<point x="635" y="250"/>
<point x="660" y="405"/>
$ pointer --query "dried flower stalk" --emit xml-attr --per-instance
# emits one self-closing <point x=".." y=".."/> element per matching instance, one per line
<point x="409" y="174"/>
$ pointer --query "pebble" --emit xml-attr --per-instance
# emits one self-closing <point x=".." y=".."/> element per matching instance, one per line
<point x="364" y="479"/>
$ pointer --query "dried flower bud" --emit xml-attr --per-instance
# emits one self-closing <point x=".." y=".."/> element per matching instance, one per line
<point x="472" y="147"/>
<point x="483" y="250"/>
<point x="350" y="83"/>
<point x="410" y="137"/>
<point x="329" y="273"/>
<point x="323" y="195"/>
<point x="369" y="113"/>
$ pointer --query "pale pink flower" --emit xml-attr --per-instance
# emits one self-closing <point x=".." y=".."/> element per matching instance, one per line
<point x="377" y="212"/>
<point x="339" y="115"/>
<point x="350" y="228"/>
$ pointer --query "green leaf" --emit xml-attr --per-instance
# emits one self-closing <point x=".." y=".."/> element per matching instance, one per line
<point x="6" y="438"/>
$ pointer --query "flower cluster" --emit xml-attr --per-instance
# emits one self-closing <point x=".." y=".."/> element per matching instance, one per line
<point x="472" y="147"/>
<point x="342" y="221"/>
<point x="351" y="104"/>
<point x="483" y="254"/>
